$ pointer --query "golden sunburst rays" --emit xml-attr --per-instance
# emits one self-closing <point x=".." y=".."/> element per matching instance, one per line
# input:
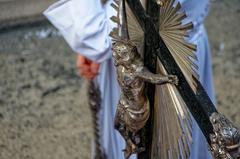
<point x="172" y="122"/>
<point x="174" y="34"/>
<point x="172" y="129"/>
<point x="136" y="34"/>
<point x="114" y="34"/>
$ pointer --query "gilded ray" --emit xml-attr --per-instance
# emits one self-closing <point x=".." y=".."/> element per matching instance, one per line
<point x="174" y="33"/>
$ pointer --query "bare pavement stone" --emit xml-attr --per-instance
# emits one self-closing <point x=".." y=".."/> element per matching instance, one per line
<point x="43" y="104"/>
<point x="14" y="12"/>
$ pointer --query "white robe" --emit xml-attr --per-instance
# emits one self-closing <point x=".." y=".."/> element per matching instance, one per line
<point x="85" y="25"/>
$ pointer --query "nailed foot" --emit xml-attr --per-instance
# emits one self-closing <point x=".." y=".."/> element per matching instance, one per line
<point x="131" y="148"/>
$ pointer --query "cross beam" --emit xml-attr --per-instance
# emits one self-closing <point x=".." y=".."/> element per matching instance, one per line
<point x="199" y="104"/>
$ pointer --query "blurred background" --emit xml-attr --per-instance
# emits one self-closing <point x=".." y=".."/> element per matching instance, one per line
<point x="43" y="103"/>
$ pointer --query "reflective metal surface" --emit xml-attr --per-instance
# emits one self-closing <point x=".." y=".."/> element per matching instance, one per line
<point x="133" y="107"/>
<point x="226" y="138"/>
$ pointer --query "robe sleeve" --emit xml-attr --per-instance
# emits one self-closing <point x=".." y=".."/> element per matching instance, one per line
<point x="84" y="25"/>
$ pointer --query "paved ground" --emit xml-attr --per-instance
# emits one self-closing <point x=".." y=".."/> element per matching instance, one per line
<point x="224" y="34"/>
<point x="15" y="9"/>
<point x="43" y="110"/>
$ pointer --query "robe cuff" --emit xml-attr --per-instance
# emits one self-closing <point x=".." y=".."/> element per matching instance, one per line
<point x="86" y="30"/>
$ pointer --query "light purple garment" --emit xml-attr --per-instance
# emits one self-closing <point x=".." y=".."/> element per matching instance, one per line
<point x="85" y="25"/>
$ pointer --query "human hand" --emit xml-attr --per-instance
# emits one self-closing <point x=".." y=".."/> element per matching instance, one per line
<point x="87" y="68"/>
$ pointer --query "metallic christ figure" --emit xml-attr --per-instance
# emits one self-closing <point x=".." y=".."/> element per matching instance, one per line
<point x="133" y="107"/>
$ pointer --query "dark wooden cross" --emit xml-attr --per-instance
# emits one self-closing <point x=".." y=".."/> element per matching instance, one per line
<point x="199" y="104"/>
